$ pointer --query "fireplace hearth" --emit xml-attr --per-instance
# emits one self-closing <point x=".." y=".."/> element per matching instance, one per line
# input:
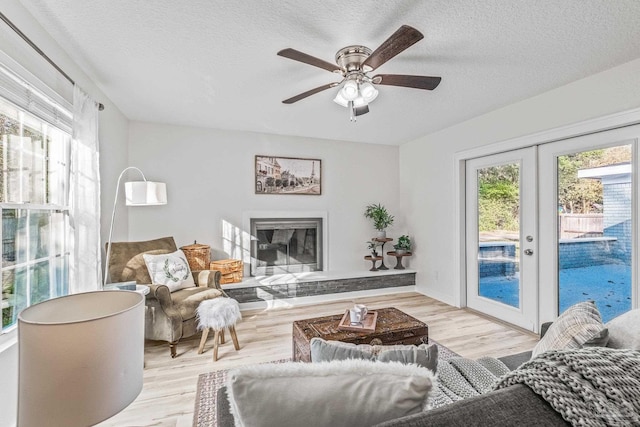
<point x="286" y="245"/>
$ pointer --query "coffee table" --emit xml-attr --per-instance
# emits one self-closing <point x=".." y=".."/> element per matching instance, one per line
<point x="393" y="327"/>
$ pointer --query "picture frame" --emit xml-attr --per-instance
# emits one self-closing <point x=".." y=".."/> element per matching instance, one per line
<point x="288" y="175"/>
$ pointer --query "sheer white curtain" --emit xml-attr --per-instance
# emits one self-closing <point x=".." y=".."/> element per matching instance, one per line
<point x="85" y="267"/>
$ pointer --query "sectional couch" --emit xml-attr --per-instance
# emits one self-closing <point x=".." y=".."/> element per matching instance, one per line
<point x="518" y="405"/>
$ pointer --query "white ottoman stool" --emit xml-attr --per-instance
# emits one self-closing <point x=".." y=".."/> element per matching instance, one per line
<point x="217" y="314"/>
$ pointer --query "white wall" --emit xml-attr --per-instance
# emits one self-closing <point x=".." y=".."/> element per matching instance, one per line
<point x="113" y="153"/>
<point x="210" y="183"/>
<point x="427" y="168"/>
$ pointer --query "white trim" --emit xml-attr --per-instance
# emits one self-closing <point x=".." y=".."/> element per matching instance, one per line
<point x="8" y="339"/>
<point x="599" y="124"/>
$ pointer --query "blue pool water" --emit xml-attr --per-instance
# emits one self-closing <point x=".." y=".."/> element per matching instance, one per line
<point x="609" y="285"/>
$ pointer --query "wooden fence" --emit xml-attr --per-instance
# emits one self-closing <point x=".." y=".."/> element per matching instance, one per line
<point x="580" y="225"/>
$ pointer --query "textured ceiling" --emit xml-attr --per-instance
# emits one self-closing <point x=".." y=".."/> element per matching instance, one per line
<point x="213" y="63"/>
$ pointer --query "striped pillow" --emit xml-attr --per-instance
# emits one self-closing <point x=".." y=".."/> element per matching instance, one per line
<point x="579" y="324"/>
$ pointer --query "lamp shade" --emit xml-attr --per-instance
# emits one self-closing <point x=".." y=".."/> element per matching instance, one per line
<point x="81" y="358"/>
<point x="145" y="193"/>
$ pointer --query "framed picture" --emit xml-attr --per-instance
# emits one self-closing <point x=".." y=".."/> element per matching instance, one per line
<point x="288" y="175"/>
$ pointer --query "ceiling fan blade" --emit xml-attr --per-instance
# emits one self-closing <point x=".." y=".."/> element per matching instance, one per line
<point x="309" y="93"/>
<point x="417" y="82"/>
<point x="296" y="55"/>
<point x="404" y="37"/>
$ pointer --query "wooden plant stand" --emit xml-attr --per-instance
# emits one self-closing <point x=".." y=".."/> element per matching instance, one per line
<point x="383" y="241"/>
<point x="398" y="256"/>
<point x="373" y="260"/>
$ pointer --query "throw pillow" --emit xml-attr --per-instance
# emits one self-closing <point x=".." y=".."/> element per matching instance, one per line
<point x="171" y="270"/>
<point x="624" y="331"/>
<point x="578" y="324"/>
<point x="423" y="355"/>
<point x="343" y="392"/>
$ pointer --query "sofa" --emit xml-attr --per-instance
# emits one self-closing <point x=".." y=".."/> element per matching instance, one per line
<point x="518" y="404"/>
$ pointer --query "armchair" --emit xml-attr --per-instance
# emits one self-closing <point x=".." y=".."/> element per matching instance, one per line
<point x="169" y="316"/>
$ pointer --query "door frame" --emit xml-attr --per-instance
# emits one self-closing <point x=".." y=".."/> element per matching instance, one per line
<point x="586" y="127"/>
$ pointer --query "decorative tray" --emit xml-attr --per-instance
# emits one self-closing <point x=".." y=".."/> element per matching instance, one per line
<point x="368" y="324"/>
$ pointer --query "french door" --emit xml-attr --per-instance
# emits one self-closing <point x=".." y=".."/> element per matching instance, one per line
<point x="553" y="225"/>
<point x="501" y="236"/>
<point x="588" y="223"/>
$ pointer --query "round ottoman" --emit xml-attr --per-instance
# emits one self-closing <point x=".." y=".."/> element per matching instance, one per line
<point x="218" y="314"/>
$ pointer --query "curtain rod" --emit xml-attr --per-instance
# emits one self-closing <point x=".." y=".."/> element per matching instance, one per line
<point x="40" y="52"/>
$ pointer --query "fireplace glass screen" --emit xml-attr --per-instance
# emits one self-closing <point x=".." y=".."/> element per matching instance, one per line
<point x="286" y="245"/>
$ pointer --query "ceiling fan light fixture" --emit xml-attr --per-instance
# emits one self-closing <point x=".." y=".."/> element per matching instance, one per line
<point x="350" y="90"/>
<point x="368" y="92"/>
<point x="360" y="102"/>
<point x="339" y="99"/>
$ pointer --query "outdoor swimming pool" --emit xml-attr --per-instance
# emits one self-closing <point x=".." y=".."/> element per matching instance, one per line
<point x="609" y="285"/>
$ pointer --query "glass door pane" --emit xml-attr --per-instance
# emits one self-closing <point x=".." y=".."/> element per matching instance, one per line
<point x="594" y="198"/>
<point x="501" y="236"/>
<point x="499" y="233"/>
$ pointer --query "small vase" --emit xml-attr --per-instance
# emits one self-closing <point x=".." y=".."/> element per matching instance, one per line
<point x="374" y="254"/>
<point x="401" y="251"/>
<point x="382" y="234"/>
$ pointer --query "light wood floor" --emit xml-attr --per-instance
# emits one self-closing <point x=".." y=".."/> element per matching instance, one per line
<point x="168" y="395"/>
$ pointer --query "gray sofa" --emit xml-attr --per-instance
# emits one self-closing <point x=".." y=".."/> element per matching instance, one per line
<point x="515" y="405"/>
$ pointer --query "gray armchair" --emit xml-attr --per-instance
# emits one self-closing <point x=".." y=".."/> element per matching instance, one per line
<point x="169" y="316"/>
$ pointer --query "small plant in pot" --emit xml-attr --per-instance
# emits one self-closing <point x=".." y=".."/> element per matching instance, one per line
<point x="403" y="246"/>
<point x="380" y="217"/>
<point x="372" y="245"/>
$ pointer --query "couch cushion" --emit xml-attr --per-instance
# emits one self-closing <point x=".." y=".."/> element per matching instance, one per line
<point x="123" y="252"/>
<point x="170" y="269"/>
<point x="624" y="330"/>
<point x="187" y="300"/>
<point x="423" y="355"/>
<point x="579" y="324"/>
<point x="345" y="393"/>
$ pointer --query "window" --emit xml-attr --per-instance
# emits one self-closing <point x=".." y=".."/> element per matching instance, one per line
<point x="34" y="187"/>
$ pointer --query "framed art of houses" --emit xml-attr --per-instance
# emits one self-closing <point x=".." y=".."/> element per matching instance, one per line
<point x="288" y="175"/>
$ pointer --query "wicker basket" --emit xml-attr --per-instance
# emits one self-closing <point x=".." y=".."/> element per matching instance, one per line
<point x="198" y="256"/>
<point x="226" y="266"/>
<point x="230" y="269"/>
<point x="231" y="278"/>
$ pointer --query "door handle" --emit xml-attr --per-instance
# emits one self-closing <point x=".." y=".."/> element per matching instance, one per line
<point x="528" y="251"/>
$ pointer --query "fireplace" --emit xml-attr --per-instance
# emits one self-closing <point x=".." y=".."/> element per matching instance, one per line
<point x="286" y="245"/>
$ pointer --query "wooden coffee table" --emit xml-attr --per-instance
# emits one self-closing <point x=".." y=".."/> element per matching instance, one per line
<point x="393" y="327"/>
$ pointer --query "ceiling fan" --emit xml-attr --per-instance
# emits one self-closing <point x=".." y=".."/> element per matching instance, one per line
<point x="355" y="62"/>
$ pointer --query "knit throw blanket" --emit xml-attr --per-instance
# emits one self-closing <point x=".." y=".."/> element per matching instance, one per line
<point x="460" y="378"/>
<point x="594" y="386"/>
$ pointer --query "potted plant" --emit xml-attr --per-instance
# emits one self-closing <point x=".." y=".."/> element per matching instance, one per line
<point x="381" y="218"/>
<point x="372" y="245"/>
<point x="403" y="246"/>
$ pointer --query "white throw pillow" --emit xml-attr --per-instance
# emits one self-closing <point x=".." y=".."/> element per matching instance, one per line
<point x="340" y="393"/>
<point x="171" y="270"/>
<point x="574" y="328"/>
<point x="624" y="330"/>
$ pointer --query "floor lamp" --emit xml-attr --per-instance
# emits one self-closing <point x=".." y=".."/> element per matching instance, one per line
<point x="81" y="358"/>
<point x="137" y="193"/>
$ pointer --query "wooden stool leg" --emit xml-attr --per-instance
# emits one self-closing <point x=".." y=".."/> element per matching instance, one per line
<point x="234" y="337"/>
<point x="215" y="345"/>
<point x="222" y="336"/>
<point x="203" y="340"/>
